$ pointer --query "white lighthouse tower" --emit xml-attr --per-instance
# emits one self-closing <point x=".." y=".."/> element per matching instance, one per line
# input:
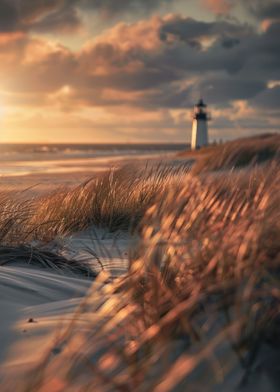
<point x="200" y="125"/>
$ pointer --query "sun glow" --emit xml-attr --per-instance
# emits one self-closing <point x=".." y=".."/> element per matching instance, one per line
<point x="3" y="110"/>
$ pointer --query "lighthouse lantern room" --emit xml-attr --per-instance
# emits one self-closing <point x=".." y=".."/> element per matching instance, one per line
<point x="200" y="126"/>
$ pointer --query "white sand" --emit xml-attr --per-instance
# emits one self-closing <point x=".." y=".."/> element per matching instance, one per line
<point x="49" y="299"/>
<point x="107" y="251"/>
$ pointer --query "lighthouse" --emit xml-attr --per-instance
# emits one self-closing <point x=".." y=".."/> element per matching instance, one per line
<point x="200" y="125"/>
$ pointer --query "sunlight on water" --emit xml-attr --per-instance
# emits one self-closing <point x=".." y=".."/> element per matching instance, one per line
<point x="22" y="160"/>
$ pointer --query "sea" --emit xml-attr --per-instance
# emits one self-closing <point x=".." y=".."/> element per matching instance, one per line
<point x="35" y="159"/>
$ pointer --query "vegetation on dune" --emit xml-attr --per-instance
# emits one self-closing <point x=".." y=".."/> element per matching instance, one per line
<point x="44" y="258"/>
<point x="237" y="154"/>
<point x="199" y="304"/>
<point x="202" y="292"/>
<point x="116" y="200"/>
<point x="14" y="214"/>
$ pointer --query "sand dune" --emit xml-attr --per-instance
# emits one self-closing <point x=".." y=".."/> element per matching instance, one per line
<point x="35" y="303"/>
<point x="105" y="250"/>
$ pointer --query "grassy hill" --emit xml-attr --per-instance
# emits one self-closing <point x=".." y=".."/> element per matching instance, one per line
<point x="236" y="154"/>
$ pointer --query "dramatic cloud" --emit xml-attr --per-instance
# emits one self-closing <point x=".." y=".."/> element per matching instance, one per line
<point x="195" y="32"/>
<point x="153" y="67"/>
<point x="260" y="9"/>
<point x="150" y="60"/>
<point x="50" y="15"/>
<point x="64" y="15"/>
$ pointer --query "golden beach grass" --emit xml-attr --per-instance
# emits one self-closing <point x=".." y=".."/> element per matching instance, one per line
<point x="202" y="294"/>
<point x="116" y="200"/>
<point x="236" y="154"/>
<point x="201" y="297"/>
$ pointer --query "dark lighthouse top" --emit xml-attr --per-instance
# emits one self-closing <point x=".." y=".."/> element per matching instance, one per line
<point x="200" y="111"/>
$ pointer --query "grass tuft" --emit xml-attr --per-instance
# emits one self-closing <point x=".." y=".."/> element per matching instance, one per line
<point x="116" y="200"/>
<point x="44" y="259"/>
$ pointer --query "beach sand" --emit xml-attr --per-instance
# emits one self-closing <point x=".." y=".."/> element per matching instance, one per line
<point x="36" y="303"/>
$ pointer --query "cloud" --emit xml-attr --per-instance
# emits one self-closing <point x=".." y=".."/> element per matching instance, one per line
<point x="268" y="99"/>
<point x="113" y="7"/>
<point x="268" y="9"/>
<point x="260" y="9"/>
<point x="195" y="32"/>
<point x="65" y="20"/>
<point x="152" y="59"/>
<point x="8" y="16"/>
<point x="65" y="15"/>
<point x="40" y="15"/>
<point x="162" y="50"/>
<point x="156" y="65"/>
<point x="219" y="6"/>
<point x="224" y="89"/>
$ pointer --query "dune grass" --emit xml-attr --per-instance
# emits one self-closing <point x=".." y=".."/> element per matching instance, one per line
<point x="237" y="154"/>
<point x="14" y="213"/>
<point x="116" y="200"/>
<point x="44" y="258"/>
<point x="200" y="302"/>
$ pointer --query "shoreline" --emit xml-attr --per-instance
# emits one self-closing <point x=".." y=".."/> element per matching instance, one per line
<point x="69" y="176"/>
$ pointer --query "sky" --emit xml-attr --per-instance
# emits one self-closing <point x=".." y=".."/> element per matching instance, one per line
<point x="117" y="71"/>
